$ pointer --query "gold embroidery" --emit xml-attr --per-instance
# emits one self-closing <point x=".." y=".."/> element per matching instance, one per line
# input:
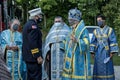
<point x="109" y="76"/>
<point x="92" y="45"/>
<point x="34" y="51"/>
<point x="106" y="48"/>
<point x="76" y="77"/>
<point x="110" y="31"/>
<point x="114" y="44"/>
<point x="86" y="41"/>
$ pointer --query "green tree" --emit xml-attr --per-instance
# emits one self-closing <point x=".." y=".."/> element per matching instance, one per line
<point x="89" y="8"/>
<point x="112" y="12"/>
<point x="117" y="28"/>
<point x="25" y="6"/>
<point x="54" y="8"/>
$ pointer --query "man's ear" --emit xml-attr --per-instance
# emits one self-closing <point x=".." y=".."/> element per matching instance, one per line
<point x="36" y="17"/>
<point x="104" y="21"/>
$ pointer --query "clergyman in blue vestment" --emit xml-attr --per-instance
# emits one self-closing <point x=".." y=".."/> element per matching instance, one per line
<point x="11" y="42"/>
<point x="77" y="56"/>
<point x="54" y="48"/>
<point x="103" y="46"/>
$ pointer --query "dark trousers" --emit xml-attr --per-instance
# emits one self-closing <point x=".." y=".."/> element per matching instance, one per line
<point x="34" y="71"/>
<point x="48" y="66"/>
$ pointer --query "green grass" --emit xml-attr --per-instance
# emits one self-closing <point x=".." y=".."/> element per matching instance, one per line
<point x="116" y="60"/>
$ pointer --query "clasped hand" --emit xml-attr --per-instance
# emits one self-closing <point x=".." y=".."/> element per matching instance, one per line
<point x="72" y="37"/>
<point x="13" y="48"/>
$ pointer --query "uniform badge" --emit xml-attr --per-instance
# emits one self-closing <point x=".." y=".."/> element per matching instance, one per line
<point x="34" y="26"/>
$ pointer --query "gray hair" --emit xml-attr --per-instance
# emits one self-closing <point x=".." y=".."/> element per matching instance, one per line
<point x="12" y="21"/>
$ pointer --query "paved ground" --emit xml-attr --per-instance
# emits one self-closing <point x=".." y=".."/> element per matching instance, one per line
<point x="117" y="72"/>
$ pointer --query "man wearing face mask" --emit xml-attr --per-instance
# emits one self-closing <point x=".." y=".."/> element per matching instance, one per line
<point x="103" y="46"/>
<point x="77" y="57"/>
<point x="32" y="45"/>
<point x="11" y="43"/>
<point x="54" y="49"/>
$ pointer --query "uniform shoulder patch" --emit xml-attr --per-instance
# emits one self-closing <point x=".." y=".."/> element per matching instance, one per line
<point x="34" y="26"/>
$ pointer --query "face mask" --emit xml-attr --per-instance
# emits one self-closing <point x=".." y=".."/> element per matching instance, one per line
<point x="58" y="24"/>
<point x="39" y="20"/>
<point x="15" y="27"/>
<point x="71" y="22"/>
<point x="100" y="23"/>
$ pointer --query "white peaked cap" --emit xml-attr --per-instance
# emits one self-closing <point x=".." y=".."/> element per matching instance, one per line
<point x="34" y="12"/>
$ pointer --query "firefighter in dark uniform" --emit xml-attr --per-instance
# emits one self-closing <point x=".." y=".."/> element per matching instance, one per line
<point x="32" y="45"/>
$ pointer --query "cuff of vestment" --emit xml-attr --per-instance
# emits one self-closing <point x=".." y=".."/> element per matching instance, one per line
<point x="92" y="52"/>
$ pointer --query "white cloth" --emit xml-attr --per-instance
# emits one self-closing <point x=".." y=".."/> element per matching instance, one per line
<point x="34" y="12"/>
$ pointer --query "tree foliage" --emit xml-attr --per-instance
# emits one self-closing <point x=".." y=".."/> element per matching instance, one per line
<point x="112" y="11"/>
<point x="89" y="8"/>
